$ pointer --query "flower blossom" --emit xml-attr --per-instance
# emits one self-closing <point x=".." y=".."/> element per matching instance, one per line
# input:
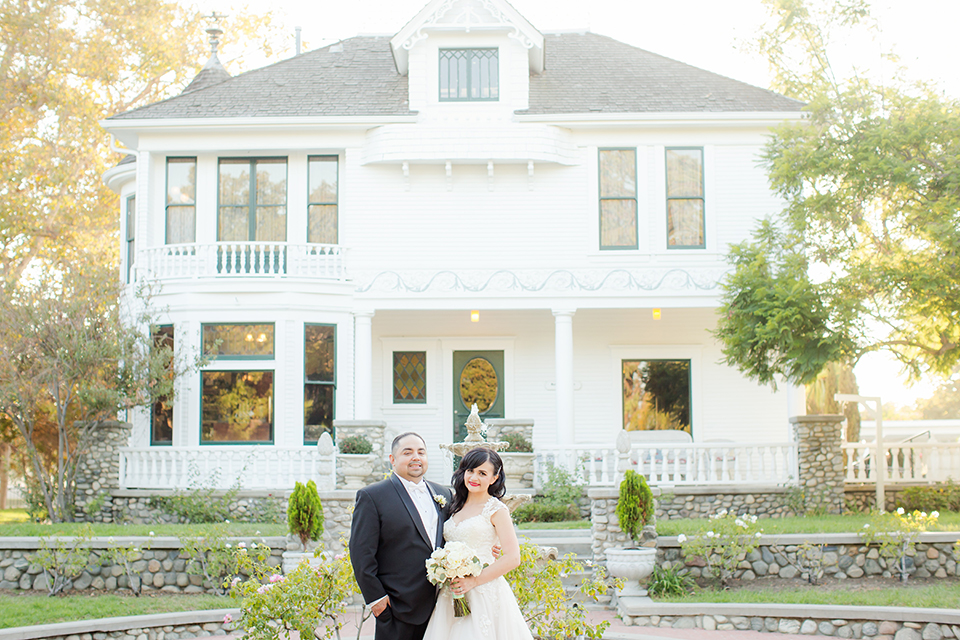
<point x="681" y="539"/>
<point x="227" y="619"/>
<point x="276" y="578"/>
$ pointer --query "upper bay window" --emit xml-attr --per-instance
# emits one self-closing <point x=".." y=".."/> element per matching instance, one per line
<point x="322" y="200"/>
<point x="685" y="206"/>
<point x="618" y="198"/>
<point x="181" y="204"/>
<point x="253" y="200"/>
<point x="469" y="75"/>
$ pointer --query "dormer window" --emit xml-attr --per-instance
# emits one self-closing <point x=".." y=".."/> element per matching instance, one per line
<point x="469" y="75"/>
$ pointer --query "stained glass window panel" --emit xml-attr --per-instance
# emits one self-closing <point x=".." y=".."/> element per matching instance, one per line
<point x="469" y="74"/>
<point x="409" y="376"/>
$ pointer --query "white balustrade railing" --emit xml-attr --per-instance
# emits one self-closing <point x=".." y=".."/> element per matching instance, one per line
<point x="257" y="259"/>
<point x="222" y="467"/>
<point x="904" y="462"/>
<point x="701" y="464"/>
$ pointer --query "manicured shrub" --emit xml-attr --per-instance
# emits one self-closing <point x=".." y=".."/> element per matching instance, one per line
<point x="305" y="513"/>
<point x="354" y="444"/>
<point x="543" y="511"/>
<point x="518" y="444"/>
<point x="635" y="507"/>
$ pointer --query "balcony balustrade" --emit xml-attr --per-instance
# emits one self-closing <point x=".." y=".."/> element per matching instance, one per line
<point x="242" y="259"/>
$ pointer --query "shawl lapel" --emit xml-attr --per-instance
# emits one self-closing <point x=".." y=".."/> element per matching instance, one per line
<point x="410" y="507"/>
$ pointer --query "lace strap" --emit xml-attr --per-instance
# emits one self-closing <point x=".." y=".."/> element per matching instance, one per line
<point x="491" y="507"/>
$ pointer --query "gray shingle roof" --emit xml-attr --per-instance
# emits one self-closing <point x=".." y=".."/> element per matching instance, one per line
<point x="584" y="73"/>
<point x="211" y="74"/>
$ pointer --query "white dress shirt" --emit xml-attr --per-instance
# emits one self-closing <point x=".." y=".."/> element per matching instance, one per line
<point x="423" y="501"/>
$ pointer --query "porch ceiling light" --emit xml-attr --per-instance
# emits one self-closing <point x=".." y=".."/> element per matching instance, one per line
<point x="474" y="316"/>
<point x="656" y="314"/>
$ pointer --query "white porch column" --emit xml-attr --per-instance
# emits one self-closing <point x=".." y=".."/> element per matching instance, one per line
<point x="564" y="373"/>
<point x="363" y="365"/>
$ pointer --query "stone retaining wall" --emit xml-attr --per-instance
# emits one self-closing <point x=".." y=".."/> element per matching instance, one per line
<point x="844" y="557"/>
<point x="162" y="626"/>
<point x="880" y="623"/>
<point x="701" y="502"/>
<point x="161" y="564"/>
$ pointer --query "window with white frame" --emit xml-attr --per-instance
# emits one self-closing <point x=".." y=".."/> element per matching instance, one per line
<point x="181" y="202"/>
<point x="252" y="200"/>
<point x="685" y="201"/>
<point x="319" y="380"/>
<point x="618" y="198"/>
<point x="656" y="394"/>
<point x="322" y="214"/>
<point x="131" y="234"/>
<point x="469" y="75"/>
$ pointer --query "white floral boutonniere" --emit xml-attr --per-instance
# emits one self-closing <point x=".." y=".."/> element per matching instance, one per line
<point x="440" y="500"/>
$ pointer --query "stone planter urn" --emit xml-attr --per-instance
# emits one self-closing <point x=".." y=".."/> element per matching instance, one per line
<point x="356" y="469"/>
<point x="633" y="565"/>
<point x="518" y="468"/>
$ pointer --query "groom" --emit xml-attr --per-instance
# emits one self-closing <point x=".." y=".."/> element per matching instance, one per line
<point x="397" y="523"/>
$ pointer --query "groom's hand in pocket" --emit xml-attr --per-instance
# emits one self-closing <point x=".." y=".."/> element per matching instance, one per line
<point x="379" y="606"/>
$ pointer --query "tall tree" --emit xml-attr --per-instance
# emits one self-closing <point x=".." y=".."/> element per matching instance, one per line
<point x="866" y="254"/>
<point x="65" y="65"/>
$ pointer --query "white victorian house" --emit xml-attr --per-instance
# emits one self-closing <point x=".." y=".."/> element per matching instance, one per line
<point x="390" y="229"/>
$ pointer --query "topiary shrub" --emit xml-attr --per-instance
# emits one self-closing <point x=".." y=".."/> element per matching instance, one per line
<point x="518" y="444"/>
<point x="635" y="507"/>
<point x="354" y="444"/>
<point x="305" y="513"/>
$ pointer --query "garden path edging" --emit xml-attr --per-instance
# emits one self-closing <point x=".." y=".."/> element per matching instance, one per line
<point x="181" y="624"/>
<point x="845" y="621"/>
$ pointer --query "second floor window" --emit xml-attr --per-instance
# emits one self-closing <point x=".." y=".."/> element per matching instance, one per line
<point x="252" y="200"/>
<point x="685" y="199"/>
<point x="618" y="198"/>
<point x="131" y="224"/>
<point x="469" y="74"/>
<point x="322" y="200"/>
<point x="181" y="202"/>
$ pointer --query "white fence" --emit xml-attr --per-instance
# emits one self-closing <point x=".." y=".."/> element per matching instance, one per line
<point x="908" y="462"/>
<point x="701" y="464"/>
<point x="259" y="467"/>
<point x="257" y="259"/>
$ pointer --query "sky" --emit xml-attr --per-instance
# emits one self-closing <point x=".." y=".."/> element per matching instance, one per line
<point x="711" y="34"/>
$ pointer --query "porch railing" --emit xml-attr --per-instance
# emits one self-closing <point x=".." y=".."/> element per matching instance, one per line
<point x="701" y="464"/>
<point x="248" y="259"/>
<point x="905" y="462"/>
<point x="265" y="467"/>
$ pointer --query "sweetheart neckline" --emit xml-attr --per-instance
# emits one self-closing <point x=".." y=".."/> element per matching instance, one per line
<point x="457" y="524"/>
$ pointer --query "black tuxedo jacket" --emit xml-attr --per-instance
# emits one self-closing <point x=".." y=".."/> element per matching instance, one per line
<point x="389" y="548"/>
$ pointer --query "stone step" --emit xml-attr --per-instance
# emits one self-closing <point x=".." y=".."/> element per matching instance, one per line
<point x="575" y="541"/>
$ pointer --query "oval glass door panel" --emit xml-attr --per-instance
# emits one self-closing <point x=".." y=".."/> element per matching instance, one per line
<point x="479" y="384"/>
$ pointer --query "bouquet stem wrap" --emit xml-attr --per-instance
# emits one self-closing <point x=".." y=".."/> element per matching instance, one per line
<point x="460" y="606"/>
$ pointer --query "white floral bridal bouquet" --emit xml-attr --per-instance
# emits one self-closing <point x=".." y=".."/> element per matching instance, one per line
<point x="455" y="560"/>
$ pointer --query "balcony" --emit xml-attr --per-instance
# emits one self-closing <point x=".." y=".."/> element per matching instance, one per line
<point x="242" y="259"/>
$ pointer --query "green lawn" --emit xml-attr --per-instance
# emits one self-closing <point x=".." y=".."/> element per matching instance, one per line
<point x="572" y="524"/>
<point x="19" y="611"/>
<point x="72" y="528"/>
<point x="806" y="524"/>
<point x="13" y="515"/>
<point x="943" y="595"/>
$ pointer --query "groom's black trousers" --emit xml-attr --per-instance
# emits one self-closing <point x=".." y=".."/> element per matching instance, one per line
<point x="389" y="628"/>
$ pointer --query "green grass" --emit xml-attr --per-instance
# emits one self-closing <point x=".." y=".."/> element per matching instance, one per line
<point x="19" y="611"/>
<point x="572" y="524"/>
<point x="13" y="515"/>
<point x="944" y="595"/>
<point x="806" y="524"/>
<point x="73" y="528"/>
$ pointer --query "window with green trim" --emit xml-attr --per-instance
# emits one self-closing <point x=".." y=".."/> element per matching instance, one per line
<point x="319" y="380"/>
<point x="656" y="395"/>
<point x="469" y="75"/>
<point x="410" y="377"/>
<point x="181" y="203"/>
<point x="161" y="414"/>
<point x="230" y="341"/>
<point x="131" y="234"/>
<point x="618" y="198"/>
<point x="236" y="407"/>
<point x="252" y="200"/>
<point x="322" y="199"/>
<point x="685" y="203"/>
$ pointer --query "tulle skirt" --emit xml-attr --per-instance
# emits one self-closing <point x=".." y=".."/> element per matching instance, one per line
<point x="494" y="615"/>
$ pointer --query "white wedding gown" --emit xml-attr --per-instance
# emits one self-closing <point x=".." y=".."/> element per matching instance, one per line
<point x="494" y="614"/>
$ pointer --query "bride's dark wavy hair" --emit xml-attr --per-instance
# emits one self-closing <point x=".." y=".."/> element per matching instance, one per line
<point x="473" y="459"/>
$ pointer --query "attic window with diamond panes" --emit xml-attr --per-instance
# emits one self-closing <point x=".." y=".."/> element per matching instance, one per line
<point x="469" y="75"/>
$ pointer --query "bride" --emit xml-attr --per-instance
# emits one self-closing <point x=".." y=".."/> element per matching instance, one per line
<point x="479" y="520"/>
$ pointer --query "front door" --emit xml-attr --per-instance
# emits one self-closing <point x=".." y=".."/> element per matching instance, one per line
<point x="477" y="378"/>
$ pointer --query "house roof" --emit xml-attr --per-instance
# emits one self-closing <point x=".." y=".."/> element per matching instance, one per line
<point x="212" y="73"/>
<point x="584" y="73"/>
